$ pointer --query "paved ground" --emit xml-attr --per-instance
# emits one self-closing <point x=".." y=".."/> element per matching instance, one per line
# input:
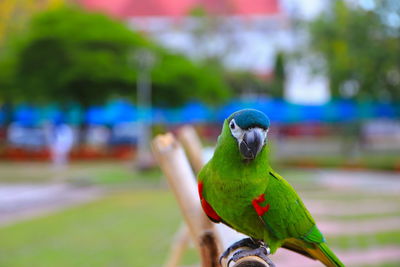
<point x="363" y="207"/>
<point x="367" y="181"/>
<point x="23" y="201"/>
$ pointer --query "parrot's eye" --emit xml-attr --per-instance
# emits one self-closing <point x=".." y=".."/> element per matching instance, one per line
<point x="236" y="131"/>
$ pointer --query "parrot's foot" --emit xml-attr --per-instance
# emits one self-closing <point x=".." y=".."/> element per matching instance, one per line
<point x="261" y="252"/>
<point x="245" y="242"/>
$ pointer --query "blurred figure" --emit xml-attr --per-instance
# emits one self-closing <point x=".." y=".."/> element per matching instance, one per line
<point x="61" y="141"/>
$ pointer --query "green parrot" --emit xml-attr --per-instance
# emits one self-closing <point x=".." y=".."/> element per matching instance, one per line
<point x="239" y="188"/>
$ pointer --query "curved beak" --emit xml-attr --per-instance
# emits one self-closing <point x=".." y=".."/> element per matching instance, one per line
<point x="253" y="141"/>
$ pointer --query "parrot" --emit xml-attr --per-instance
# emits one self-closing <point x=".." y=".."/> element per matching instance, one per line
<point x="238" y="187"/>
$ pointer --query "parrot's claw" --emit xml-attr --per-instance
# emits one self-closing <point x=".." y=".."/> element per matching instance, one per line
<point x="261" y="252"/>
<point x="256" y="248"/>
<point x="245" y="242"/>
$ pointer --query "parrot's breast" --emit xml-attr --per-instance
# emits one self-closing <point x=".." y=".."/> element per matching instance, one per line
<point x="232" y="201"/>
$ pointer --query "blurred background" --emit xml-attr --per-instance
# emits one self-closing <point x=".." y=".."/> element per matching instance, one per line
<point x="86" y="84"/>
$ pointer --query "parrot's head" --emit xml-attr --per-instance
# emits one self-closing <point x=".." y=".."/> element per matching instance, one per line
<point x="249" y="127"/>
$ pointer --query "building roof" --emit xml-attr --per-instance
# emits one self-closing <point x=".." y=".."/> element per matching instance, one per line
<point x="180" y="8"/>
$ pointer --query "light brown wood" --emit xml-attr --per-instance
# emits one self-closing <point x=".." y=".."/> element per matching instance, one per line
<point x="179" y="245"/>
<point x="191" y="143"/>
<point x="174" y="164"/>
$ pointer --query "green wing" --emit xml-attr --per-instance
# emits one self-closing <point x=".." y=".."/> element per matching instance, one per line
<point x="288" y="220"/>
<point x="287" y="216"/>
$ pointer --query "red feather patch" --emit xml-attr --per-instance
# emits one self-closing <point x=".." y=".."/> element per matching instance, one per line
<point x="207" y="207"/>
<point x="256" y="204"/>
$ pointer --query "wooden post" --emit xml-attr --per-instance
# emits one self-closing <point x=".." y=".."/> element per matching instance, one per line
<point x="179" y="245"/>
<point x="191" y="143"/>
<point x="173" y="162"/>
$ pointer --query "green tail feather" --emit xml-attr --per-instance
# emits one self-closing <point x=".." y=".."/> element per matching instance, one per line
<point x="330" y="255"/>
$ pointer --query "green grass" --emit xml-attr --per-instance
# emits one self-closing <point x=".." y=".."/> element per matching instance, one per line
<point x="388" y="161"/>
<point x="388" y="264"/>
<point x="16" y="172"/>
<point x="365" y="240"/>
<point x="115" y="174"/>
<point x="124" y="229"/>
<point x="100" y="173"/>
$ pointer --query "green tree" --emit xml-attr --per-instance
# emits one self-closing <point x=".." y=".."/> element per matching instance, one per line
<point x="279" y="78"/>
<point x="13" y="14"/>
<point x="245" y="82"/>
<point x="361" y="50"/>
<point x="68" y="54"/>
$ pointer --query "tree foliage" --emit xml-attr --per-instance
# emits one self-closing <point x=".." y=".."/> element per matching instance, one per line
<point x="13" y="14"/>
<point x="361" y="50"/>
<point x="210" y="29"/>
<point x="279" y="78"/>
<point x="70" y="55"/>
<point x="245" y="83"/>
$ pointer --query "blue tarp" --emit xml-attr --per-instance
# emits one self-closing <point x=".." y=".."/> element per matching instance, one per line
<point x="119" y="111"/>
<point x="26" y="115"/>
<point x="280" y="111"/>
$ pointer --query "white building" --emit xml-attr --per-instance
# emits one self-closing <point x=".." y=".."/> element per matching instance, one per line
<point x="244" y="34"/>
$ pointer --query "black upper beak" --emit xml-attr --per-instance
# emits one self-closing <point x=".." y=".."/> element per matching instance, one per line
<point x="252" y="143"/>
